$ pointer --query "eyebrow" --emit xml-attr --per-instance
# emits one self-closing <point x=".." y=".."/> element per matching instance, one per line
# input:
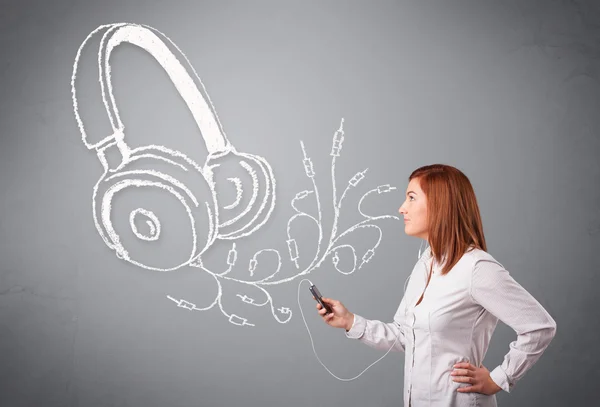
<point x="412" y="192"/>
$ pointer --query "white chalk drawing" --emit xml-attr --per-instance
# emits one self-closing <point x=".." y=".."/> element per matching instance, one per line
<point x="210" y="220"/>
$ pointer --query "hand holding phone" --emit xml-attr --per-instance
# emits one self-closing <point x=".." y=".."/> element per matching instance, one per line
<point x="340" y="318"/>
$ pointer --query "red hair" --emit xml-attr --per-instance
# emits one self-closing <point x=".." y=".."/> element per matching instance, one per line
<point x="453" y="218"/>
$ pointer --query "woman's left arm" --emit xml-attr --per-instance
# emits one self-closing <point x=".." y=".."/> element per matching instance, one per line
<point x="494" y="289"/>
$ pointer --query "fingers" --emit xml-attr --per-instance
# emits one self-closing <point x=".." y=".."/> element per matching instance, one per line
<point x="466" y="373"/>
<point x="322" y="311"/>
<point x="464" y="379"/>
<point x="465" y="365"/>
<point x="326" y="315"/>
<point x="462" y="372"/>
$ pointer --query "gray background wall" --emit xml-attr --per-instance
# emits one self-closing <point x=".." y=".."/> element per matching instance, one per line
<point x="506" y="91"/>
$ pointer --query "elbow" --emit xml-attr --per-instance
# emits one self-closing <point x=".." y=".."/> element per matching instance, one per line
<point x="550" y="331"/>
<point x="552" y="328"/>
<point x="545" y="333"/>
<point x="552" y="325"/>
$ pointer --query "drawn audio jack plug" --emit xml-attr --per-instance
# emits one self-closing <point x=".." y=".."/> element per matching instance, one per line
<point x="284" y="310"/>
<point x="237" y="320"/>
<point x="183" y="303"/>
<point x="366" y="257"/>
<point x="246" y="299"/>
<point x="308" y="165"/>
<point x="357" y="178"/>
<point x="381" y="189"/>
<point x="232" y="256"/>
<point x="293" y="249"/>
<point x="252" y="266"/>
<point x="335" y="259"/>
<point x="338" y="139"/>
<point x="231" y="260"/>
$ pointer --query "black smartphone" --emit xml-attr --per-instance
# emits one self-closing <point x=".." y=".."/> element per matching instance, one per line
<point x="315" y="292"/>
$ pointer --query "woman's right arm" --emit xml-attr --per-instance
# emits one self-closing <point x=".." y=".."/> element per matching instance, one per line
<point x="373" y="333"/>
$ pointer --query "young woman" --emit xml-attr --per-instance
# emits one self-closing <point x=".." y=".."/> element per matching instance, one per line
<point x="455" y="296"/>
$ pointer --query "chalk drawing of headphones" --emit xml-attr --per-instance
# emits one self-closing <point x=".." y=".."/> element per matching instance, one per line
<point x="209" y="219"/>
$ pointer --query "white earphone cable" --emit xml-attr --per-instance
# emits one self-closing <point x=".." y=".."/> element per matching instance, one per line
<point x="313" y="344"/>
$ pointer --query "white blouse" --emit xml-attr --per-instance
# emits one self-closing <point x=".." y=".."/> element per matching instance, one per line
<point x="453" y="323"/>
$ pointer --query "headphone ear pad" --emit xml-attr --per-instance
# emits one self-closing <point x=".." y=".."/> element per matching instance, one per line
<point x="245" y="192"/>
<point x="157" y="211"/>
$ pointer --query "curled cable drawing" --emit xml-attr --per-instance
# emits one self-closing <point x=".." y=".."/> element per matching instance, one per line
<point x="331" y="250"/>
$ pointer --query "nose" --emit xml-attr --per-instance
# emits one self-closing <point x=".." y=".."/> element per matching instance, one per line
<point x="402" y="210"/>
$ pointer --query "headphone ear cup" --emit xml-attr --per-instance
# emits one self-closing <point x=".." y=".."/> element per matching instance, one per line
<point x="157" y="211"/>
<point x="249" y="198"/>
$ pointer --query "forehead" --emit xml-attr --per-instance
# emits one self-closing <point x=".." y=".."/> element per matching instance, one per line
<point x="414" y="185"/>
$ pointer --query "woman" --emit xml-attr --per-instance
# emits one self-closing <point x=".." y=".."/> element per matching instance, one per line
<point x="455" y="296"/>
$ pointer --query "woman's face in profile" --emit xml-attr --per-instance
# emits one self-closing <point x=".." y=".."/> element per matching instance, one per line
<point x="414" y="210"/>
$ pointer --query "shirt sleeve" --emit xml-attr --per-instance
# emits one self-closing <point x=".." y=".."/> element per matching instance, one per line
<point x="494" y="289"/>
<point x="380" y="335"/>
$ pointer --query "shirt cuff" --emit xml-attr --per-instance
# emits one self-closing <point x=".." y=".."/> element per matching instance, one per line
<point x="358" y="327"/>
<point x="499" y="377"/>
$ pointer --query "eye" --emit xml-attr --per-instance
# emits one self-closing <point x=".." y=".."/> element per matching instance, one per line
<point x="410" y="197"/>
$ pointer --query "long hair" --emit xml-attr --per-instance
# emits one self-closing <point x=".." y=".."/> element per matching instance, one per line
<point x="453" y="218"/>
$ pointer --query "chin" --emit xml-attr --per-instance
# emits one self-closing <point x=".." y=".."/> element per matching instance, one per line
<point x="412" y="233"/>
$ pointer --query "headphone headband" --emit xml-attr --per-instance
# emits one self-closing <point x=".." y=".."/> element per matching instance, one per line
<point x="144" y="37"/>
